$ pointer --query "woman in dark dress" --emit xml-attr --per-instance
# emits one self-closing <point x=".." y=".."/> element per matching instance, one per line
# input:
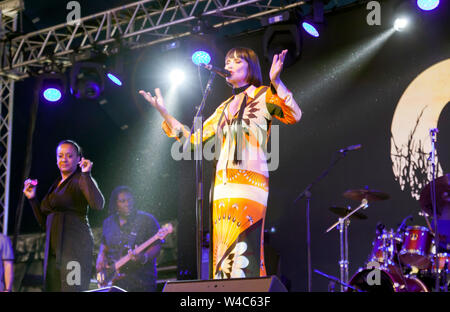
<point x="63" y="213"/>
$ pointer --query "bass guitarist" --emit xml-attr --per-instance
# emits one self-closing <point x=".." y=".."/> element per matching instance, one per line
<point x="123" y="230"/>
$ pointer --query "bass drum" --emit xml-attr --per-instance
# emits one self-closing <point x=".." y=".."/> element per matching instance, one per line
<point x="389" y="282"/>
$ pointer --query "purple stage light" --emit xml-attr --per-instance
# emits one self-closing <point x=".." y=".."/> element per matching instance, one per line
<point x="114" y="79"/>
<point x="52" y="94"/>
<point x="427" y="5"/>
<point x="310" y="29"/>
<point x="201" y="57"/>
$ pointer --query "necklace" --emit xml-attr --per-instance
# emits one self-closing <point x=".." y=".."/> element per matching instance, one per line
<point x="241" y="89"/>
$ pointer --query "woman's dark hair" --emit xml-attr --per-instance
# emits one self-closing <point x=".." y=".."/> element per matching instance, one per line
<point x="74" y="144"/>
<point x="112" y="207"/>
<point x="254" y="70"/>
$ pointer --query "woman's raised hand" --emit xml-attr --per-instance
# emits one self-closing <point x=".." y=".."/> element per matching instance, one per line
<point x="277" y="66"/>
<point x="85" y="165"/>
<point x="157" y="101"/>
<point x="29" y="188"/>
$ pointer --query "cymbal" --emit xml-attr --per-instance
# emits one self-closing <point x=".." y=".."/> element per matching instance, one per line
<point x="442" y="200"/>
<point x="342" y="212"/>
<point x="370" y="195"/>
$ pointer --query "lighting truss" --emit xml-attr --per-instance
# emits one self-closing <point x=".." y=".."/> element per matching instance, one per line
<point x="140" y="24"/>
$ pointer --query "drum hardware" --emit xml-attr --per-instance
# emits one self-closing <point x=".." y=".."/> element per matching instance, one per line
<point x="336" y="280"/>
<point x="342" y="212"/>
<point x="432" y="193"/>
<point x="342" y="225"/>
<point x="385" y="248"/>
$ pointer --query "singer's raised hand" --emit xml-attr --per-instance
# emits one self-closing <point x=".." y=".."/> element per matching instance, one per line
<point x="277" y="67"/>
<point x="157" y="101"/>
<point x="29" y="189"/>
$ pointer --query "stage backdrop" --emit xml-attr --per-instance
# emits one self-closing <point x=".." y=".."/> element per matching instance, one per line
<point x="356" y="84"/>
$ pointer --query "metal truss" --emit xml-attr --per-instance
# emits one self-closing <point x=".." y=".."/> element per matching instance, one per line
<point x="8" y="24"/>
<point x="142" y="23"/>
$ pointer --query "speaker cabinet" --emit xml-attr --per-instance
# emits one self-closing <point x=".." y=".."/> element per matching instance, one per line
<point x="260" y="284"/>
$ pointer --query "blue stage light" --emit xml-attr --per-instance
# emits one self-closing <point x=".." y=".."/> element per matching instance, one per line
<point x="201" y="57"/>
<point x="427" y="5"/>
<point x="310" y="29"/>
<point x="52" y="94"/>
<point x="114" y="79"/>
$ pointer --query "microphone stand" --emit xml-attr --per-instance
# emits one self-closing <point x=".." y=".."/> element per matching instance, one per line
<point x="334" y="279"/>
<point x="433" y="200"/>
<point x="198" y="156"/>
<point x="307" y="193"/>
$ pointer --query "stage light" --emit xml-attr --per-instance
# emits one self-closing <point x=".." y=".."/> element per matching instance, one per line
<point x="170" y="46"/>
<point x="113" y="61"/>
<point x="310" y="29"/>
<point x="201" y="57"/>
<point x="401" y="23"/>
<point x="280" y="37"/>
<point x="114" y="79"/>
<point x="427" y="5"/>
<point x="52" y="86"/>
<point x="176" y="76"/>
<point x="278" y="18"/>
<point x="201" y="45"/>
<point x="52" y="94"/>
<point x="86" y="80"/>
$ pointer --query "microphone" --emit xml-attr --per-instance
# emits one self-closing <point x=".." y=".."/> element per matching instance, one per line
<point x="350" y="148"/>
<point x="220" y="71"/>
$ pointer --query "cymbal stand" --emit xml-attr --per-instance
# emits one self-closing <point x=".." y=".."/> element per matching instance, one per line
<point x="342" y="225"/>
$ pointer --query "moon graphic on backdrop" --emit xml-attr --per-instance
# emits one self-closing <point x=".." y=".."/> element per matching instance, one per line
<point x="416" y="113"/>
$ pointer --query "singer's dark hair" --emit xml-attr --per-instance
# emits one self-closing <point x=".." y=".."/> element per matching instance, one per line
<point x="74" y="144"/>
<point x="112" y="207"/>
<point x="254" y="69"/>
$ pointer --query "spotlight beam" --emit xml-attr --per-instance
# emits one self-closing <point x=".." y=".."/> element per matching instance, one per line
<point x="341" y="66"/>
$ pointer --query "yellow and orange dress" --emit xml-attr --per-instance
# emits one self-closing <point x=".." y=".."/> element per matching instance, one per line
<point x="242" y="176"/>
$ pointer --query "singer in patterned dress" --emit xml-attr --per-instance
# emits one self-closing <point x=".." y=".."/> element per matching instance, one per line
<point x="240" y="127"/>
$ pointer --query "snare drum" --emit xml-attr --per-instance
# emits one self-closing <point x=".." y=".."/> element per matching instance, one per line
<point x="416" y="249"/>
<point x="442" y="263"/>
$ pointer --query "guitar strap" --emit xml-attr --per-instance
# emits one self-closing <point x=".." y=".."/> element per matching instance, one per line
<point x="131" y="235"/>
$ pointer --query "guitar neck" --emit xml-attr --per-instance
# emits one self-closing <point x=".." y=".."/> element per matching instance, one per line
<point x="122" y="261"/>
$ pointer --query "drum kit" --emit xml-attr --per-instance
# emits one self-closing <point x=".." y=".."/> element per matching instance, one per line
<point x="401" y="260"/>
